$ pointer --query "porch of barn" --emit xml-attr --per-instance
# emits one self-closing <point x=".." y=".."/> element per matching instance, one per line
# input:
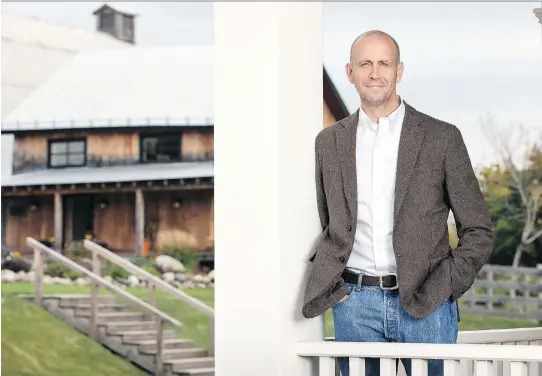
<point x="129" y="222"/>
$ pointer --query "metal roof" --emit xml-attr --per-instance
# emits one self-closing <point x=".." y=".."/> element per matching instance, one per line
<point x="113" y="174"/>
<point x="138" y="86"/>
<point x="27" y="40"/>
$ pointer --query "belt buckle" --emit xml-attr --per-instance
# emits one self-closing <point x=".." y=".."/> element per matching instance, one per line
<point x="380" y="280"/>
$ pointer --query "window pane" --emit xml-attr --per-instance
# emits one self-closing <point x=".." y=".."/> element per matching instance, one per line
<point x="76" y="159"/>
<point x="76" y="146"/>
<point x="59" y="147"/>
<point x="59" y="160"/>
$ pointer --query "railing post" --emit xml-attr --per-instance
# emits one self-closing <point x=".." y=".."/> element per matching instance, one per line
<point x="490" y="279"/>
<point x="94" y="300"/>
<point x="38" y="284"/>
<point x="159" y="369"/>
<point x="152" y="295"/>
<point x="211" y="336"/>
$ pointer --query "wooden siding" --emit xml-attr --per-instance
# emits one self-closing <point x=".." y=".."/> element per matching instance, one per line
<point x="38" y="224"/>
<point x="102" y="148"/>
<point x="197" y="143"/>
<point x="113" y="146"/>
<point x="114" y="224"/>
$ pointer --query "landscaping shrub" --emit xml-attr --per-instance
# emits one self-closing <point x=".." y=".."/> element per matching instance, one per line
<point x="188" y="256"/>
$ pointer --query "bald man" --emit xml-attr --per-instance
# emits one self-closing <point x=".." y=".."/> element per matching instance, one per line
<point x="387" y="177"/>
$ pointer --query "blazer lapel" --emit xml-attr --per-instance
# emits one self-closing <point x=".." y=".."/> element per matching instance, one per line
<point x="346" y="151"/>
<point x="410" y="142"/>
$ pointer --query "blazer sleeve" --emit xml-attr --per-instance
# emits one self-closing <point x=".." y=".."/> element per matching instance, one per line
<point x="321" y="200"/>
<point x="471" y="213"/>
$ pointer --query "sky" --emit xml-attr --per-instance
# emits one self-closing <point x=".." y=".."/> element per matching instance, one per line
<point x="463" y="60"/>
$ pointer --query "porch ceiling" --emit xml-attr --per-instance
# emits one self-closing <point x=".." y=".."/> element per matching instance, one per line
<point x="114" y="174"/>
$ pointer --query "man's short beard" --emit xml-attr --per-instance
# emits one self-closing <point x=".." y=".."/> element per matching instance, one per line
<point x="375" y="102"/>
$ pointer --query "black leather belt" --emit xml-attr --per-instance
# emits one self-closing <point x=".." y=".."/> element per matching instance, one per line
<point x="386" y="282"/>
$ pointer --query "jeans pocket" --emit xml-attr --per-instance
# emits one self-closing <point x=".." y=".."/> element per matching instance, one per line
<point x="348" y="295"/>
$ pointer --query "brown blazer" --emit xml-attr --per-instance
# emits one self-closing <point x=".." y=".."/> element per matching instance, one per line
<point x="434" y="175"/>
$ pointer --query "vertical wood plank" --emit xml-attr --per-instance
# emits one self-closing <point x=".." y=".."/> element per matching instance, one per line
<point x="326" y="366"/>
<point x="59" y="215"/>
<point x="94" y="298"/>
<point x="483" y="368"/>
<point x="357" y="367"/>
<point x="139" y="221"/>
<point x="388" y="367"/>
<point x="519" y="369"/>
<point x="506" y="368"/>
<point x="211" y="329"/>
<point x="152" y="294"/>
<point x="159" y="348"/>
<point x="490" y="279"/>
<point x="419" y="367"/>
<point x="452" y="367"/>
<point x="38" y="282"/>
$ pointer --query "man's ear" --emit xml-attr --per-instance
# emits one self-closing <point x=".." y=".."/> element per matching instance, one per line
<point x="349" y="72"/>
<point x="400" y="70"/>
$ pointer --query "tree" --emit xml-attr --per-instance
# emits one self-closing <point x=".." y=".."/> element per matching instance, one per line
<point x="517" y="181"/>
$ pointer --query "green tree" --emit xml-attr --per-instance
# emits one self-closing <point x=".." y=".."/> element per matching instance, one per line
<point x="513" y="191"/>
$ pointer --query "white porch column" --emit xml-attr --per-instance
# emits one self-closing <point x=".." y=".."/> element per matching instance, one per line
<point x="268" y="110"/>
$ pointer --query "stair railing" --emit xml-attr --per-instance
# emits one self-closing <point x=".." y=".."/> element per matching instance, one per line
<point x="161" y="318"/>
<point x="153" y="283"/>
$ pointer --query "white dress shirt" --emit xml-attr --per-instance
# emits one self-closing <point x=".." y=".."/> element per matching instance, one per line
<point x="376" y="162"/>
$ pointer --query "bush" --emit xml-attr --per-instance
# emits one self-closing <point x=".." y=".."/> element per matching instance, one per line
<point x="188" y="256"/>
<point x="54" y="269"/>
<point x="116" y="272"/>
<point x="151" y="269"/>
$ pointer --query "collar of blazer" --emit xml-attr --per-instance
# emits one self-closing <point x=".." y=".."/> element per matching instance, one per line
<point x="410" y="142"/>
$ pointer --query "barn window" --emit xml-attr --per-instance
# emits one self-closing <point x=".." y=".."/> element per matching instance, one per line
<point x="67" y="153"/>
<point x="160" y="148"/>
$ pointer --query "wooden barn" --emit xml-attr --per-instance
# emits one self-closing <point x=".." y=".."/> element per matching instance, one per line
<point x="118" y="144"/>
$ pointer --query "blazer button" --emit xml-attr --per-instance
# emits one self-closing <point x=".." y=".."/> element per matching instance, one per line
<point x="349" y="228"/>
<point x="342" y="259"/>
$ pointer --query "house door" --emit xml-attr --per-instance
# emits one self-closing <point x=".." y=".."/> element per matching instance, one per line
<point x="82" y="211"/>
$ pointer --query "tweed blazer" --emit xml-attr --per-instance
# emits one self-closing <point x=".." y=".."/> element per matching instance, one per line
<point x="434" y="175"/>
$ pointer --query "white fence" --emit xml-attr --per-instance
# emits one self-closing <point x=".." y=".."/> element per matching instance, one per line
<point x="513" y="352"/>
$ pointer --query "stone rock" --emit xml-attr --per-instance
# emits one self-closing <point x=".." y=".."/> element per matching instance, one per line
<point x="168" y="277"/>
<point x="211" y="275"/>
<point x="64" y="281"/>
<point x="206" y="279"/>
<point x="30" y="276"/>
<point x="177" y="284"/>
<point x="8" y="276"/>
<point x="188" y="285"/>
<point x="47" y="280"/>
<point x="201" y="285"/>
<point x="181" y="277"/>
<point x="169" y="264"/>
<point x="80" y="282"/>
<point x="133" y="281"/>
<point x="198" y="278"/>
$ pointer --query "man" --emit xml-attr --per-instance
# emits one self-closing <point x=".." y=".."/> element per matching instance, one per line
<point x="387" y="177"/>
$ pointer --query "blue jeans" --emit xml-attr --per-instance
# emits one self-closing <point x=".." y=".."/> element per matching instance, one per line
<point x="375" y="315"/>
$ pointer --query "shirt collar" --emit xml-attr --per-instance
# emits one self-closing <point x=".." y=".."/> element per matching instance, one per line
<point x="393" y="120"/>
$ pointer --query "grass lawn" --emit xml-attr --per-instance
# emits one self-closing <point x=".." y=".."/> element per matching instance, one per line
<point x="34" y="343"/>
<point x="196" y="324"/>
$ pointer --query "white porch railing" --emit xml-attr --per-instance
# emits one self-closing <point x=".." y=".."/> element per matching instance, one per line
<point x="511" y="352"/>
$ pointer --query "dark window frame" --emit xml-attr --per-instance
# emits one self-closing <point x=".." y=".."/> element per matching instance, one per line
<point x="143" y="136"/>
<point x="50" y="144"/>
